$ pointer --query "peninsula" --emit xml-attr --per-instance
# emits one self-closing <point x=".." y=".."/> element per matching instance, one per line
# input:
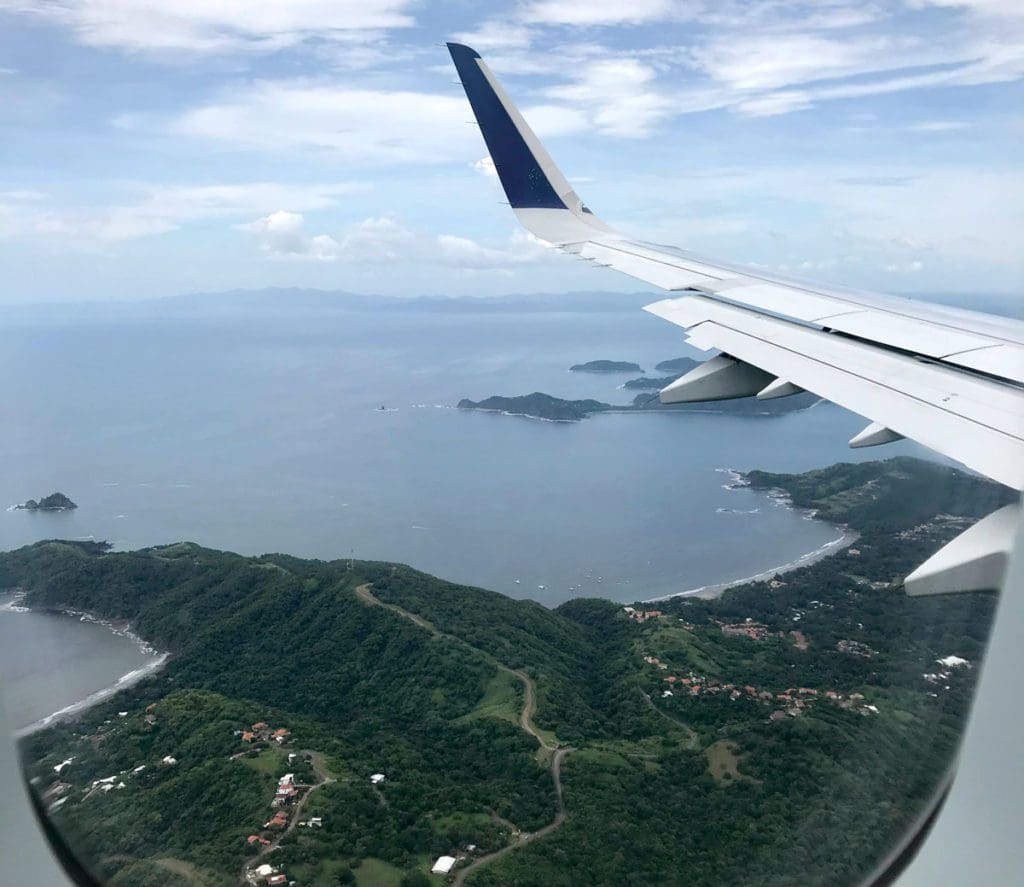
<point x="408" y="718"/>
<point x="556" y="409"/>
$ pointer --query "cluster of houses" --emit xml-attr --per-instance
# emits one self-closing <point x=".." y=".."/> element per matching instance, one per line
<point x="263" y="732"/>
<point x="942" y="675"/>
<point x="748" y="628"/>
<point x="57" y="792"/>
<point x="288" y="791"/>
<point x="792" y="702"/>
<point x="642" y="615"/>
<point x="758" y="631"/>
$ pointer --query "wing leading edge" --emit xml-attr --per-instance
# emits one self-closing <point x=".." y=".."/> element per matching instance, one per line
<point x="948" y="378"/>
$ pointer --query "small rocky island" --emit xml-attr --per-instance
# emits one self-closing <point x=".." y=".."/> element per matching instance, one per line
<point x="53" y="502"/>
<point x="606" y="366"/>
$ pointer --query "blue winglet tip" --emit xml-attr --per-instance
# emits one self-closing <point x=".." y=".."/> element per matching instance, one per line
<point x="460" y="52"/>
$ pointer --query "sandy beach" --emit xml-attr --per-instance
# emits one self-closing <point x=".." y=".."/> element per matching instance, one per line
<point x="153" y="661"/>
<point x="736" y="481"/>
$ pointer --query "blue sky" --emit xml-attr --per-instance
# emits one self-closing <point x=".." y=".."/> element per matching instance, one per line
<point x="153" y="147"/>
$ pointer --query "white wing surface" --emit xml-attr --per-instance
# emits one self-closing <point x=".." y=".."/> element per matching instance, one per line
<point x="949" y="378"/>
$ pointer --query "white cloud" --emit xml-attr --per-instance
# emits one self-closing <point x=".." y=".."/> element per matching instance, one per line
<point x="597" y="12"/>
<point x="938" y="126"/>
<point x="158" y="209"/>
<point x="849" y="211"/>
<point x="496" y="34"/>
<point x="767" y="57"/>
<point x="618" y="95"/>
<point x="485" y="166"/>
<point x="368" y="127"/>
<point x="385" y="240"/>
<point x="280" y="234"/>
<point x="551" y="121"/>
<point x="214" y="25"/>
<point x="771" y="61"/>
<point x="22" y="194"/>
<point x="775" y="103"/>
<point x="911" y="267"/>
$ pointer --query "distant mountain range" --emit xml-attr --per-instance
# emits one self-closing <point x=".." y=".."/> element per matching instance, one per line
<point x="596" y="301"/>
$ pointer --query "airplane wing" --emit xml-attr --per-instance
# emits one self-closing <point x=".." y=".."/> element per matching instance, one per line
<point x="948" y="378"/>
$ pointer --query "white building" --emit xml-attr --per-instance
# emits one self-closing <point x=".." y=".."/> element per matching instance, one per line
<point x="377" y="779"/>
<point x="265" y="871"/>
<point x="443" y="865"/>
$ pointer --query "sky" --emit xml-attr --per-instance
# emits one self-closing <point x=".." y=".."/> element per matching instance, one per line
<point x="156" y="147"/>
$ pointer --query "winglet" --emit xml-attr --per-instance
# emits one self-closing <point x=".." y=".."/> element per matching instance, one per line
<point x="541" y="196"/>
<point x="520" y="164"/>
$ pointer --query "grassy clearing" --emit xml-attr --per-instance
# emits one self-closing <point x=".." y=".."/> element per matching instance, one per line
<point x="170" y="872"/>
<point x="676" y="645"/>
<point x="269" y="761"/>
<point x="600" y="757"/>
<point x="460" y="820"/>
<point x="502" y="699"/>
<point x="377" y="873"/>
<point x="724" y="762"/>
<point x="323" y="873"/>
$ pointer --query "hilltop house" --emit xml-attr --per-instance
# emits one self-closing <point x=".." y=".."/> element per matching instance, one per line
<point x="443" y="865"/>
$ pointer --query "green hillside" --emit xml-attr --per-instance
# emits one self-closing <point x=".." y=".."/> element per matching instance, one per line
<point x="461" y="696"/>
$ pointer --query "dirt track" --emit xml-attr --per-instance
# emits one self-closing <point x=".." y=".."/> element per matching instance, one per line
<point x="525" y="722"/>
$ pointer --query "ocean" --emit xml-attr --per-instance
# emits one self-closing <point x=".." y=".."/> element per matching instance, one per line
<point x="254" y="424"/>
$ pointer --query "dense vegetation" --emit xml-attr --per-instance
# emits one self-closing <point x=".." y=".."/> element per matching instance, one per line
<point x="676" y="365"/>
<point x="545" y="406"/>
<point x="649" y="383"/>
<point x="689" y="788"/>
<point x="606" y="366"/>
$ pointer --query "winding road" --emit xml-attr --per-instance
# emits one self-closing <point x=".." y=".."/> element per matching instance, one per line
<point x="526" y="837"/>
<point x="525" y="722"/>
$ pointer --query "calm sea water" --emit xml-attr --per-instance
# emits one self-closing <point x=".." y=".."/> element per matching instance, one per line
<point x="260" y="430"/>
<point x="50" y="662"/>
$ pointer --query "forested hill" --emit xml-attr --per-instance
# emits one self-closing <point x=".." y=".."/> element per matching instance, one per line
<point x="424" y="680"/>
<point x="898" y="493"/>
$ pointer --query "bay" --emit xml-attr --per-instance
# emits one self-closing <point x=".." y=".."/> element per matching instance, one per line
<point x="260" y="430"/>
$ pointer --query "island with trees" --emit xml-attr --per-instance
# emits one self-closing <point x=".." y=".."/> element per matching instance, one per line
<point x="606" y="366"/>
<point x="545" y="406"/>
<point x="678" y="365"/>
<point x="352" y="721"/>
<point x="53" y="502"/>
